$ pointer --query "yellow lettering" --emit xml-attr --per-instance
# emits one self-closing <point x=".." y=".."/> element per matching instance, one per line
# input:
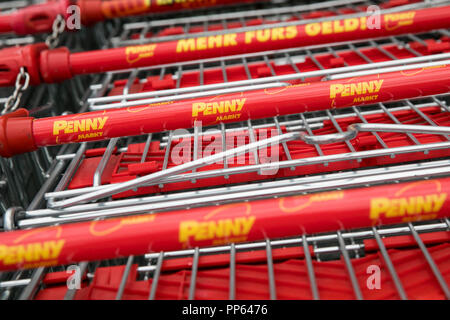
<point x="230" y="40"/>
<point x="378" y="206"/>
<point x="197" y="108"/>
<point x="247" y="224"/>
<point x="249" y="35"/>
<point x="263" y="35"/>
<point x="101" y="122"/>
<point x="185" y="45"/>
<point x="58" y="126"/>
<point x="240" y="103"/>
<point x="335" y="89"/>
<point x="215" y="41"/>
<point x="187" y="229"/>
<point x="201" y="43"/>
<point x="312" y="29"/>
<point x="338" y="27"/>
<point x="439" y="201"/>
<point x="291" y="32"/>
<point x="327" y="27"/>
<point x="277" y="34"/>
<point x="351" y="24"/>
<point x="79" y="126"/>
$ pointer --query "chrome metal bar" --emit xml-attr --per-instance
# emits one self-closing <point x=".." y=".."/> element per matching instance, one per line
<point x="270" y="271"/>
<point x="389" y="69"/>
<point x="72" y="167"/>
<point x="104" y="161"/>
<point x="156" y="275"/>
<point x="164" y="200"/>
<point x="367" y="233"/>
<point x="147" y="146"/>
<point x="390" y="266"/>
<point x="310" y="268"/>
<point x="430" y="261"/>
<point x="196" y="94"/>
<point x="280" y="165"/>
<point x="194" y="274"/>
<point x="353" y="129"/>
<point x="156" y="177"/>
<point x="124" y="279"/>
<point x="350" y="270"/>
<point x="14" y="283"/>
<point x="232" y="289"/>
<point x="393" y="118"/>
<point x="31" y="289"/>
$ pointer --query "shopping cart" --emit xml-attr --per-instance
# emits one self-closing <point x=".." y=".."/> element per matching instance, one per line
<point x="396" y="150"/>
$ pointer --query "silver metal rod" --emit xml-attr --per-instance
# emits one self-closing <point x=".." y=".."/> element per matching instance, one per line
<point x="434" y="268"/>
<point x="350" y="270"/>
<point x="124" y="279"/>
<point x="353" y="129"/>
<point x="386" y="70"/>
<point x="232" y="289"/>
<point x="270" y="271"/>
<point x="196" y="94"/>
<point x="155" y="177"/>
<point x="386" y="232"/>
<point x="310" y="268"/>
<point x="156" y="275"/>
<point x="104" y="161"/>
<point x="14" y="283"/>
<point x="194" y="274"/>
<point x="31" y="289"/>
<point x="390" y="266"/>
<point x="164" y="200"/>
<point x="233" y="197"/>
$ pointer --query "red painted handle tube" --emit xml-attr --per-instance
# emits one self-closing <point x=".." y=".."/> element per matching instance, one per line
<point x="248" y="221"/>
<point x="34" y="19"/>
<point x="39" y="18"/>
<point x="97" y="10"/>
<point x="142" y="119"/>
<point x="250" y="41"/>
<point x="59" y="64"/>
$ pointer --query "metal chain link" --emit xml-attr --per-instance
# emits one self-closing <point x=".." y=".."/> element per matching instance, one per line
<point x="22" y="83"/>
<point x="59" y="25"/>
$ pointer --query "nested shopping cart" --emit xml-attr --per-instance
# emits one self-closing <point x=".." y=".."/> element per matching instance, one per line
<point x="345" y="199"/>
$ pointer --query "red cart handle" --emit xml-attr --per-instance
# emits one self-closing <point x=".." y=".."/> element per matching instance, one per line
<point x="218" y="225"/>
<point x="93" y="11"/>
<point x="39" y="18"/>
<point x="34" y="19"/>
<point x="143" y="119"/>
<point x="59" y="64"/>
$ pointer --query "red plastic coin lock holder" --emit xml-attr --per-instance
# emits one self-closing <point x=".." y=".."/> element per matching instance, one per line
<point x="14" y="58"/>
<point x="37" y="18"/>
<point x="16" y="133"/>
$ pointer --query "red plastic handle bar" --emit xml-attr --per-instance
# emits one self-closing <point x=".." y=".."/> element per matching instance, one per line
<point x="98" y="10"/>
<point x="248" y="221"/>
<point x="243" y="42"/>
<point x="143" y="119"/>
<point x="59" y="64"/>
<point x="39" y="18"/>
<point x="34" y="19"/>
